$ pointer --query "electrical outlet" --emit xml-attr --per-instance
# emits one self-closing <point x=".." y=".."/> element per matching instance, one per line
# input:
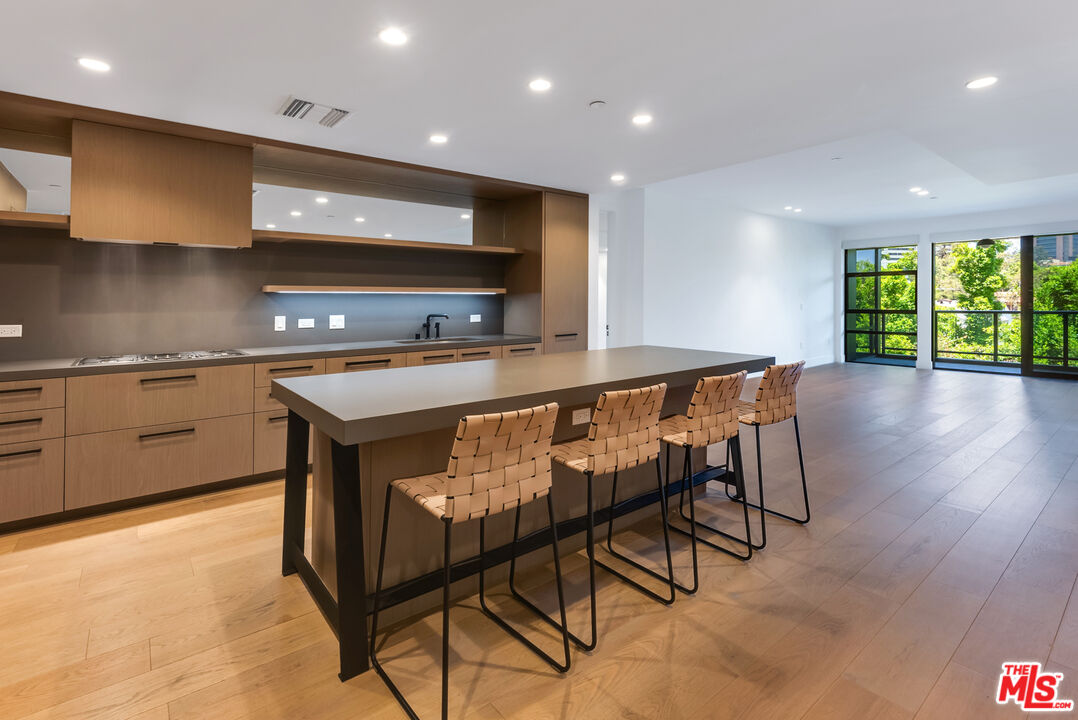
<point x="280" y="323"/>
<point x="10" y="331"/>
<point x="476" y="318"/>
<point x="581" y="416"/>
<point x="336" y="322"/>
<point x="305" y="323"/>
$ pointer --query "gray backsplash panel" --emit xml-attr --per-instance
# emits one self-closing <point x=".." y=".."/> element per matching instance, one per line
<point x="80" y="298"/>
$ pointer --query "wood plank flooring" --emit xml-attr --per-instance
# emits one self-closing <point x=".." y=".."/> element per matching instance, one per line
<point x="944" y="541"/>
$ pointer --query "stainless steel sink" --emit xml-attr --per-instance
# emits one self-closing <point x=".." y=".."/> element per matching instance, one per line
<point x="421" y="341"/>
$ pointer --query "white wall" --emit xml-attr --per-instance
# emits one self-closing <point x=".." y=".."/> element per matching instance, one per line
<point x="625" y="268"/>
<point x="687" y="271"/>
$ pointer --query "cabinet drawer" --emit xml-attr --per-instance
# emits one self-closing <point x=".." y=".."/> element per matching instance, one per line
<point x="31" y="394"/>
<point x="566" y="341"/>
<point x="432" y="357"/>
<point x="104" y="467"/>
<point x="31" y="425"/>
<point x="360" y="363"/>
<point x="98" y="403"/>
<point x="266" y="373"/>
<point x="271" y="441"/>
<point x="31" y="479"/>
<point x="265" y="403"/>
<point x="512" y="351"/>
<point x="494" y="352"/>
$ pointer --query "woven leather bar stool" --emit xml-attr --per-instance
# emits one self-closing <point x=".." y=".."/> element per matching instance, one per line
<point x="776" y="400"/>
<point x="499" y="462"/>
<point x="623" y="434"/>
<point x="711" y="418"/>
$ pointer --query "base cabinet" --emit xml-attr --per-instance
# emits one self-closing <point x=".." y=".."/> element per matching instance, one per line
<point x="31" y="479"/>
<point x="123" y="464"/>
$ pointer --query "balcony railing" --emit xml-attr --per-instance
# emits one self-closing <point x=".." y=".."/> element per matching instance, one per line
<point x="995" y="337"/>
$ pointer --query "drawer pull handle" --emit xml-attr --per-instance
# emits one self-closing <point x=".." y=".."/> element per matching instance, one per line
<point x="166" y="433"/>
<point x="437" y="357"/>
<point x="527" y="349"/>
<point x="278" y="418"/>
<point x="27" y="421"/>
<point x="560" y="335"/>
<point x="289" y="369"/>
<point x="352" y="363"/>
<point x="21" y="453"/>
<point x="22" y="390"/>
<point x="170" y="378"/>
<point x="469" y="354"/>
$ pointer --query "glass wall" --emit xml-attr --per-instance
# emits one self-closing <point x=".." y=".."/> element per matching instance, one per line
<point x="1055" y="303"/>
<point x="881" y="305"/>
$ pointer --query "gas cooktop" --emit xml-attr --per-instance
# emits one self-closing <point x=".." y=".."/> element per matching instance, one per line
<point x="158" y="357"/>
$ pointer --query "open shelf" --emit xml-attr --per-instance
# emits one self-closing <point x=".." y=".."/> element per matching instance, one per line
<point x="380" y="290"/>
<point x="291" y="237"/>
<point x="10" y="218"/>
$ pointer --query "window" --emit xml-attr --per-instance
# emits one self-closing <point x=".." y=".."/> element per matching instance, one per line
<point x="881" y="305"/>
<point x="1055" y="303"/>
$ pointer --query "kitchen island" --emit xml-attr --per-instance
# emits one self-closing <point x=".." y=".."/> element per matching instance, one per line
<point x="373" y="428"/>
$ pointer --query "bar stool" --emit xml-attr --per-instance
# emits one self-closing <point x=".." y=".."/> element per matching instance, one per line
<point x="711" y="418"/>
<point x="776" y="400"/>
<point x="499" y="461"/>
<point x="623" y="434"/>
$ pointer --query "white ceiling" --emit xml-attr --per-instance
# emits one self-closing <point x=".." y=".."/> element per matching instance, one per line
<point x="728" y="83"/>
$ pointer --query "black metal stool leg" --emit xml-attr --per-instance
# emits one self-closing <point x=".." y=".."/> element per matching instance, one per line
<point x="446" y="573"/>
<point x="687" y="475"/>
<point x="374" y="616"/>
<point x="560" y="667"/>
<point x="669" y="579"/>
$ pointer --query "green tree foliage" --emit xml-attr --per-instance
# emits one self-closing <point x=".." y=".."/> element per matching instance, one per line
<point x="978" y="270"/>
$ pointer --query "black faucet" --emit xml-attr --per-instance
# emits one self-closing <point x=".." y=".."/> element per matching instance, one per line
<point x="437" y="326"/>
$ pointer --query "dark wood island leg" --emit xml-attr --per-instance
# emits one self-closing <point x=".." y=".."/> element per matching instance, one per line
<point x="351" y="561"/>
<point x="295" y="491"/>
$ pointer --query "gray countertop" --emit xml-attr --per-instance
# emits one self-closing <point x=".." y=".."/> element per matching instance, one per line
<point x="359" y="407"/>
<point x="65" y="367"/>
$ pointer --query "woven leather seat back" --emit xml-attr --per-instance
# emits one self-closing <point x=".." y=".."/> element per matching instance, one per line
<point x="713" y="409"/>
<point x="624" y="430"/>
<point x="776" y="398"/>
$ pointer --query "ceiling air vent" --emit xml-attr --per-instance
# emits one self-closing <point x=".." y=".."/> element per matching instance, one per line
<point x="313" y="112"/>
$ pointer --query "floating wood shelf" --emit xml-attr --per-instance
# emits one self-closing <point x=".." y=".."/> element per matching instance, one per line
<point x="34" y="220"/>
<point x="290" y="237"/>
<point x="381" y="290"/>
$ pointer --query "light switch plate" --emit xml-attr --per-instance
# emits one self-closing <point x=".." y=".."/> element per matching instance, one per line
<point x="476" y="318"/>
<point x="581" y="416"/>
<point x="280" y="323"/>
<point x="336" y="322"/>
<point x="305" y="323"/>
<point x="10" y="331"/>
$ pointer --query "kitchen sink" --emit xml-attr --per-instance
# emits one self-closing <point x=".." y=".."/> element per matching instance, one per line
<point x="421" y="341"/>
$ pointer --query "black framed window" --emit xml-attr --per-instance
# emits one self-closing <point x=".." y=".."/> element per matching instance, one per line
<point x="881" y="305"/>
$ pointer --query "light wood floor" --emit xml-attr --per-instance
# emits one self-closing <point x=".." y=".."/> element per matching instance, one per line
<point x="944" y="541"/>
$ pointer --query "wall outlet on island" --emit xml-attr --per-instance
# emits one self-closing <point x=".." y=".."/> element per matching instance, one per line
<point x="280" y="323"/>
<point x="305" y="323"/>
<point x="10" y="331"/>
<point x="476" y="318"/>
<point x="581" y="416"/>
<point x="336" y="322"/>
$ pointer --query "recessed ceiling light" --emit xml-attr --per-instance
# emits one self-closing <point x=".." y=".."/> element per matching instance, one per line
<point x="539" y="85"/>
<point x="617" y="177"/>
<point x="95" y="65"/>
<point x="797" y="209"/>
<point x="270" y="225"/>
<point x="642" y="119"/>
<point x="321" y="200"/>
<point x="439" y="139"/>
<point x="389" y="234"/>
<point x="922" y="193"/>
<point x="465" y="216"/>
<point x="361" y="219"/>
<point x="916" y="189"/>
<point x="295" y="213"/>
<point x="981" y="83"/>
<point x="789" y="207"/>
<point x="393" y="36"/>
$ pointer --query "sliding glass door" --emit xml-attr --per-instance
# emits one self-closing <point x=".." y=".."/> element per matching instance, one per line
<point x="881" y="305"/>
<point x="1055" y="304"/>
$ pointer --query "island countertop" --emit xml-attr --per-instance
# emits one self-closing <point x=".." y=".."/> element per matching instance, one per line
<point x="361" y="407"/>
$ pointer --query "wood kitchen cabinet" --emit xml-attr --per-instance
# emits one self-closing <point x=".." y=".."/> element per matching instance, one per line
<point x="147" y="187"/>
<point x="565" y="273"/>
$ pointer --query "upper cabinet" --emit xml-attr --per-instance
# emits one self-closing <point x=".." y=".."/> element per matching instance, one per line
<point x="147" y="187"/>
<point x="565" y="272"/>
